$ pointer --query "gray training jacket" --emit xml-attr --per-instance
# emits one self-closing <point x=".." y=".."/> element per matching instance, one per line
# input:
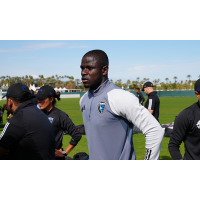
<point x="109" y="115"/>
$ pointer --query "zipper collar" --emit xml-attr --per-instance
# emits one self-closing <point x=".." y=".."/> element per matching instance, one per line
<point x="100" y="89"/>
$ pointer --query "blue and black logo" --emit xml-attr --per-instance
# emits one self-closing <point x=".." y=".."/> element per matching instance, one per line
<point x="101" y="106"/>
<point x="40" y="90"/>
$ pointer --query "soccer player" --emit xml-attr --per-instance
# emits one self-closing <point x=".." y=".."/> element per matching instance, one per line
<point x="153" y="102"/>
<point x="110" y="113"/>
<point x="140" y="96"/>
<point x="187" y="129"/>
<point x="28" y="135"/>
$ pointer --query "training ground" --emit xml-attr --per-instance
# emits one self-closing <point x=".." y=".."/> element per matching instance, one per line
<point x="169" y="108"/>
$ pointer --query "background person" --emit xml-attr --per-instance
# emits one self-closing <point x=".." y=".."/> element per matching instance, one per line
<point x="60" y="121"/>
<point x="110" y="113"/>
<point x="28" y="135"/>
<point x="140" y="96"/>
<point x="153" y="102"/>
<point x="8" y="113"/>
<point x="34" y="99"/>
<point x="187" y="129"/>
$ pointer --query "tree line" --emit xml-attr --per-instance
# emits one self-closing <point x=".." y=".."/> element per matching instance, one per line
<point x="70" y="83"/>
<point x="167" y="85"/>
<point x="55" y="81"/>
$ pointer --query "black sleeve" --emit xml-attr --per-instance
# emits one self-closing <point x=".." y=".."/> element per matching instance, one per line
<point x="181" y="125"/>
<point x="68" y="125"/>
<point x="10" y="136"/>
<point x="142" y="98"/>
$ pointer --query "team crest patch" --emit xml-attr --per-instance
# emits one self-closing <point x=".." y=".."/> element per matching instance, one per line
<point x="101" y="107"/>
<point x="50" y="119"/>
<point x="198" y="124"/>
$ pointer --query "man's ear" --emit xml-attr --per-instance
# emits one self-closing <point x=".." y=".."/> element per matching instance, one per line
<point x="197" y="95"/>
<point x="105" y="70"/>
<point x="10" y="101"/>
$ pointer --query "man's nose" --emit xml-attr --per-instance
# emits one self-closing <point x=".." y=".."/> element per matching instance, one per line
<point x="84" y="71"/>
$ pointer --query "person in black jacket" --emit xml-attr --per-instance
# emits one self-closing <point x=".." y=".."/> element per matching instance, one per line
<point x="153" y="102"/>
<point x="60" y="121"/>
<point x="8" y="113"/>
<point x="28" y="135"/>
<point x="140" y="96"/>
<point x="187" y="129"/>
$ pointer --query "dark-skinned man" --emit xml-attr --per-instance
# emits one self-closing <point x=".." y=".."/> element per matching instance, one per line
<point x="153" y="102"/>
<point x="110" y="113"/>
<point x="140" y="96"/>
<point x="187" y="129"/>
<point x="28" y="135"/>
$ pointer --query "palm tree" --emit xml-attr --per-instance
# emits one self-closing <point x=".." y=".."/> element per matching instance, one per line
<point x="128" y="82"/>
<point x="175" y="77"/>
<point x="189" y="76"/>
<point x="167" y="80"/>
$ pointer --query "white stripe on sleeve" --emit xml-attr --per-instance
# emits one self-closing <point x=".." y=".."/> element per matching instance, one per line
<point x="150" y="104"/>
<point x="4" y="130"/>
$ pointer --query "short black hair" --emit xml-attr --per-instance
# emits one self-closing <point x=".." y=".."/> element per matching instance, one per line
<point x="100" y="55"/>
<point x="23" y="97"/>
<point x="137" y="89"/>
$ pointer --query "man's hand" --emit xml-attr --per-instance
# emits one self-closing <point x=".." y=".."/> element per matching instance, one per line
<point x="58" y="153"/>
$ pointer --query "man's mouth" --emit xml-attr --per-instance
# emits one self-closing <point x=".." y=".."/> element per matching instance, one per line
<point x="84" y="80"/>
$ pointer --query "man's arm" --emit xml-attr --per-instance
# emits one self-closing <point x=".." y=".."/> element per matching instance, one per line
<point x="151" y="106"/>
<point x="142" y="97"/>
<point x="10" y="136"/>
<point x="151" y="111"/>
<point x="179" y="133"/>
<point x="135" y="113"/>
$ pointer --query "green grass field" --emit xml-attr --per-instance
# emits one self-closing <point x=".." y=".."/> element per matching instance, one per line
<point x="169" y="108"/>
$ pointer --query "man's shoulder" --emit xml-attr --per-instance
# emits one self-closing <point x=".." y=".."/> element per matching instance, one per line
<point x="153" y="95"/>
<point x="190" y="109"/>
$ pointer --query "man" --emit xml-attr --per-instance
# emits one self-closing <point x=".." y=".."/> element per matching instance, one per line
<point x="187" y="129"/>
<point x="28" y="135"/>
<point x="153" y="102"/>
<point x="140" y="96"/>
<point x="110" y="113"/>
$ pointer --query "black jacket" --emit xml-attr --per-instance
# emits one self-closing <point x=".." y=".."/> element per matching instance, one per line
<point x="153" y="103"/>
<point x="140" y="97"/>
<point x="186" y="129"/>
<point x="28" y="135"/>
<point x="61" y="122"/>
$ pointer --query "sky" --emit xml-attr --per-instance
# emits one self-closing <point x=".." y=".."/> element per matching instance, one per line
<point x="128" y="59"/>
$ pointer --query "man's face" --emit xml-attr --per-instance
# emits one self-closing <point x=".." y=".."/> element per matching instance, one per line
<point x="198" y="96"/>
<point x="146" y="91"/>
<point x="137" y="91"/>
<point x="91" y="72"/>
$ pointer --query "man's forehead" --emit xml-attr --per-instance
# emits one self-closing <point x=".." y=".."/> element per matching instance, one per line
<point x="89" y="59"/>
